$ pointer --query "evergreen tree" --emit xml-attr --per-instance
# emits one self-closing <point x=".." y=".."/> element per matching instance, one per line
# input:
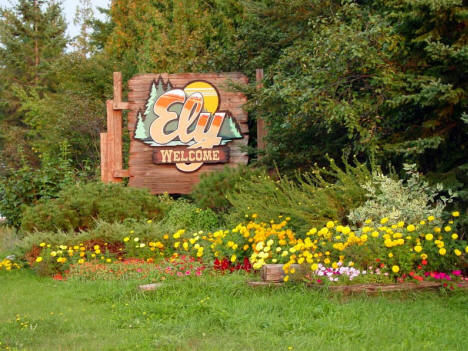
<point x="32" y="40"/>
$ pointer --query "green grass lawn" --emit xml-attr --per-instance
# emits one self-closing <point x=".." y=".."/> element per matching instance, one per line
<point x="220" y="313"/>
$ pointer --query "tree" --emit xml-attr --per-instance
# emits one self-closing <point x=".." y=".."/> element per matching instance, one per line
<point x="84" y="16"/>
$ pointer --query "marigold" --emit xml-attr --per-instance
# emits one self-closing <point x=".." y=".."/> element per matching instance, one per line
<point x="442" y="251"/>
<point x="429" y="237"/>
<point x="457" y="252"/>
<point x="39" y="259"/>
<point x="410" y="228"/>
<point x="395" y="269"/>
<point x="455" y="213"/>
<point x="384" y="220"/>
<point x="454" y="236"/>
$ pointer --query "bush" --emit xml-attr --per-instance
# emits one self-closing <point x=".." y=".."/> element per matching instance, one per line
<point x="309" y="199"/>
<point x="399" y="200"/>
<point x="211" y="192"/>
<point x="25" y="186"/>
<point x="77" y="207"/>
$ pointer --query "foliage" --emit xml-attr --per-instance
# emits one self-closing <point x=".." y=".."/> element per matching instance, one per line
<point x="27" y="185"/>
<point x="309" y="198"/>
<point x="213" y="188"/>
<point x="378" y="78"/>
<point x="32" y="37"/>
<point x="400" y="201"/>
<point x="77" y="207"/>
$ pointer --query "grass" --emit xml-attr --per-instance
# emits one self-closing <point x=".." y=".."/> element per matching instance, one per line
<point x="220" y="313"/>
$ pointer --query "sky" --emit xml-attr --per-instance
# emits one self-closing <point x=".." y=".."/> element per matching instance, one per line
<point x="69" y="8"/>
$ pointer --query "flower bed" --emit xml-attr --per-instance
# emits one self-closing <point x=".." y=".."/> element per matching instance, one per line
<point x="377" y="252"/>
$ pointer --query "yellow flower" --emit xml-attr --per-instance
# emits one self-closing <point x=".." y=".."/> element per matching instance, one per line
<point x="176" y="244"/>
<point x="454" y="236"/>
<point x="422" y="222"/>
<point x="185" y="245"/>
<point x="390" y="255"/>
<point x="330" y="224"/>
<point x="53" y="253"/>
<point x="430" y="218"/>
<point x="314" y="266"/>
<point x="42" y="244"/>
<point x="375" y="234"/>
<point x="466" y="249"/>
<point x="455" y="213"/>
<point x="286" y="278"/>
<point x="418" y="248"/>
<point x="442" y="251"/>
<point x="401" y="224"/>
<point x="233" y="258"/>
<point x="424" y="256"/>
<point x="108" y="260"/>
<point x="367" y="221"/>
<point x="437" y="229"/>
<point x="39" y="259"/>
<point x="81" y="261"/>
<point x="410" y="228"/>
<point x="395" y="269"/>
<point x="457" y="252"/>
<point x="448" y="228"/>
<point x="326" y="261"/>
<point x="429" y="237"/>
<point x="149" y="221"/>
<point x="126" y="239"/>
<point x="176" y="235"/>
<point x="254" y="215"/>
<point x="384" y="220"/>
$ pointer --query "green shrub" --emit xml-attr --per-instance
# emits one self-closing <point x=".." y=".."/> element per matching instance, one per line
<point x="78" y="206"/>
<point x="310" y="199"/>
<point x="25" y="186"/>
<point x="211" y="192"/>
<point x="399" y="200"/>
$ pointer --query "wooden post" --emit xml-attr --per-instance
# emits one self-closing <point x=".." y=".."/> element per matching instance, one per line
<point x="118" y="104"/>
<point x="111" y="142"/>
<point x="261" y="131"/>
<point x="105" y="169"/>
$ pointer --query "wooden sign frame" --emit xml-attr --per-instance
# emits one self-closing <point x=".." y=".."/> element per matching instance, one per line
<point x="147" y="169"/>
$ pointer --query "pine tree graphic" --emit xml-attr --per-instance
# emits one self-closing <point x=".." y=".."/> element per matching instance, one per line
<point x="230" y="130"/>
<point x="140" y="131"/>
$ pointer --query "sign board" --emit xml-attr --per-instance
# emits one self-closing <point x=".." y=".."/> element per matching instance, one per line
<point x="181" y="125"/>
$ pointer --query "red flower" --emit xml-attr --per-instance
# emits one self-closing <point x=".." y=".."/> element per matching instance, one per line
<point x="424" y="262"/>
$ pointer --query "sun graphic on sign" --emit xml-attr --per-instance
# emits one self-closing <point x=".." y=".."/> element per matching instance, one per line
<point x="209" y="93"/>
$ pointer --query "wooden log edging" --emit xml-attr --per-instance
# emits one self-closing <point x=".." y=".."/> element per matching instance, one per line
<point x="369" y="288"/>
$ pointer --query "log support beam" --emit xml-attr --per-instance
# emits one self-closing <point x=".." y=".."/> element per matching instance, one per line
<point x="111" y="141"/>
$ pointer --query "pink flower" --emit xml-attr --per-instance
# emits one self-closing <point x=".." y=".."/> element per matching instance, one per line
<point x="457" y="273"/>
<point x="198" y="273"/>
<point x="187" y="272"/>
<point x="180" y="274"/>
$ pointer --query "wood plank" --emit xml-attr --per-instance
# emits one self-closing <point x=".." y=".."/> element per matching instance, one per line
<point x="166" y="178"/>
<point x="261" y="132"/>
<point x="104" y="159"/>
<point x="121" y="173"/>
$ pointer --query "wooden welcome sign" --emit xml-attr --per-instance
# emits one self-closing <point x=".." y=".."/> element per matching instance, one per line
<point x="180" y="125"/>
